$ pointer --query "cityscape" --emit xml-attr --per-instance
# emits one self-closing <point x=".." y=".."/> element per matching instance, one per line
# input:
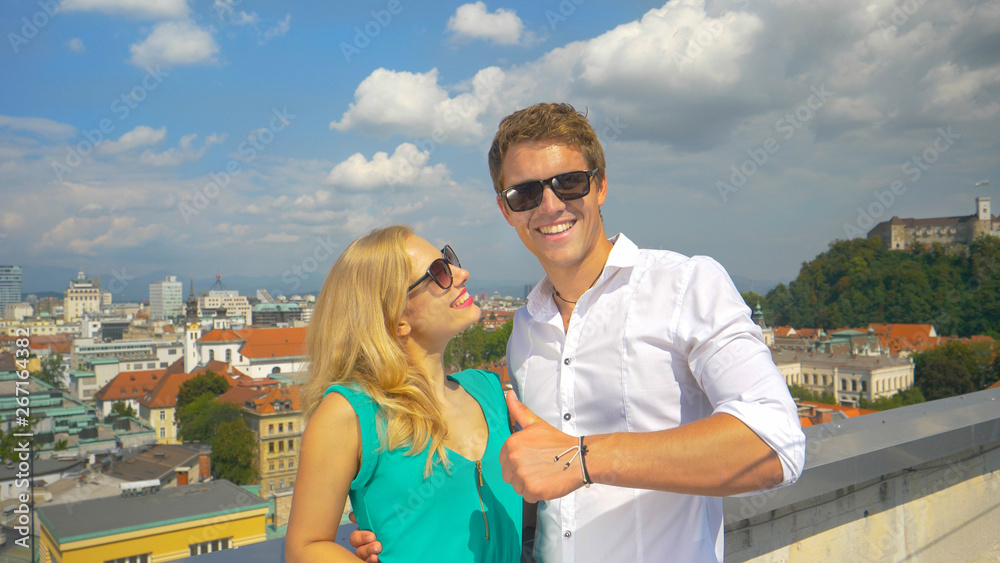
<point x="128" y="401"/>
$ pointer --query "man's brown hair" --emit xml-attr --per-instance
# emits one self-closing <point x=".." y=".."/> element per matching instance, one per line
<point x="545" y="122"/>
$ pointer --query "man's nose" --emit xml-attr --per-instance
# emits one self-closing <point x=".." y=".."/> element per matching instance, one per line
<point x="550" y="201"/>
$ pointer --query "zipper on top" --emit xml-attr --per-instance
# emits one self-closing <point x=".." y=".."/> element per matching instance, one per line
<point x="479" y="485"/>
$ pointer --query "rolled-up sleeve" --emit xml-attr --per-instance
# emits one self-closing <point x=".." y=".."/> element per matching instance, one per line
<point x="728" y="358"/>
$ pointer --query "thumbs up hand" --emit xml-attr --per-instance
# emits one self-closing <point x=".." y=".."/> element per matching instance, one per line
<point x="528" y="457"/>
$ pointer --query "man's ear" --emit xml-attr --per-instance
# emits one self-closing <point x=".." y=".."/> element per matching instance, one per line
<point x="602" y="189"/>
<point x="504" y="210"/>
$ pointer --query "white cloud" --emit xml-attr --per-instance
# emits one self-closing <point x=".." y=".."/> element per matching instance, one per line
<point x="407" y="166"/>
<point x="473" y="21"/>
<point x="408" y="103"/>
<point x="76" y="45"/>
<point x="185" y="151"/>
<point x="277" y="238"/>
<point x="278" y="30"/>
<point x="141" y="136"/>
<point x="38" y="126"/>
<point x="175" y="43"/>
<point x="89" y="235"/>
<point x="145" y="9"/>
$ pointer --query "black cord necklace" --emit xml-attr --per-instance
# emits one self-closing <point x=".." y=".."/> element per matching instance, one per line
<point x="585" y="291"/>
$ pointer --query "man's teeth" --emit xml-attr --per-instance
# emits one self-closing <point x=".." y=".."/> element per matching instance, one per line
<point x="553" y="229"/>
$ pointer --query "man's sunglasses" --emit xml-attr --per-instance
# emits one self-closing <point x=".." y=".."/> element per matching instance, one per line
<point x="571" y="185"/>
<point x="439" y="270"/>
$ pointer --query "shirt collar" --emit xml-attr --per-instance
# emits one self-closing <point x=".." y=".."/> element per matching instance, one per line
<point x="624" y="254"/>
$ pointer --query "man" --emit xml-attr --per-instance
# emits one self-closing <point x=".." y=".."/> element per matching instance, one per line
<point x="641" y="371"/>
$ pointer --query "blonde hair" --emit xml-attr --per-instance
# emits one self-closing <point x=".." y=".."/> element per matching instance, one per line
<point x="545" y="122"/>
<point x="353" y="339"/>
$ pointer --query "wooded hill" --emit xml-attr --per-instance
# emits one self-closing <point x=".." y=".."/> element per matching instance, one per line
<point x="859" y="281"/>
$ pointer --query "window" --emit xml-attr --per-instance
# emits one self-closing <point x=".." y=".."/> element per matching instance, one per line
<point x="144" y="558"/>
<point x="290" y="426"/>
<point x="163" y="415"/>
<point x="271" y="483"/>
<point x="291" y="445"/>
<point x="172" y="352"/>
<point x="163" y="432"/>
<point x="151" y="365"/>
<point x="270" y="447"/>
<point x="843" y="385"/>
<point x="854" y="385"/>
<point x="270" y="429"/>
<point x="815" y="379"/>
<point x="281" y="427"/>
<point x="291" y="464"/>
<point x="211" y="355"/>
<point x="281" y="446"/>
<point x="229" y="355"/>
<point x="281" y="483"/>
<point x="864" y="386"/>
<point x="824" y="380"/>
<point x="281" y="465"/>
<point x="270" y="466"/>
<point x="210" y="546"/>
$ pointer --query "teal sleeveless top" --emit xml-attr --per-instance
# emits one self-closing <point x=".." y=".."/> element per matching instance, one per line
<point x="470" y="514"/>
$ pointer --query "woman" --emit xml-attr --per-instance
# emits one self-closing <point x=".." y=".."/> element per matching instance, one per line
<point x="417" y="451"/>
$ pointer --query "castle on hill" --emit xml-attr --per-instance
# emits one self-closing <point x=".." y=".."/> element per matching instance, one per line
<point x="900" y="234"/>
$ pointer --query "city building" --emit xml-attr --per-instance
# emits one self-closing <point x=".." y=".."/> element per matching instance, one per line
<point x="169" y="464"/>
<point x="899" y="234"/>
<point x="257" y="352"/>
<point x="166" y="299"/>
<point x="166" y="525"/>
<point x="275" y="415"/>
<point x="10" y="285"/>
<point x="66" y="425"/>
<point x="82" y="296"/>
<point x="127" y="387"/>
<point x="237" y="307"/>
<point x="158" y="406"/>
<point x="276" y="314"/>
<point x="18" y="311"/>
<point x="848" y="378"/>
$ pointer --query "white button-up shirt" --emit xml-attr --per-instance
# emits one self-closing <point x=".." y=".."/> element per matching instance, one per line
<point x="659" y="341"/>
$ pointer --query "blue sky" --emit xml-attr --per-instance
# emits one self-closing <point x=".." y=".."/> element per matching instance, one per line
<point x="259" y="138"/>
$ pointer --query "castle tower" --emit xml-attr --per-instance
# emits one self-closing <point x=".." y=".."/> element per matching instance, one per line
<point x="983" y="208"/>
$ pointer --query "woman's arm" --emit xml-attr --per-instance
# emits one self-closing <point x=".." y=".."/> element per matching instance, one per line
<point x="328" y="462"/>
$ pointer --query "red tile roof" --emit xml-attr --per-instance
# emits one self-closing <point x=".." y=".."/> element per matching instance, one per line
<point x="898" y="337"/>
<point x="273" y="342"/>
<point x="850" y="412"/>
<point x="263" y="399"/>
<point x="222" y="335"/>
<point x="164" y="395"/>
<point x="130" y="385"/>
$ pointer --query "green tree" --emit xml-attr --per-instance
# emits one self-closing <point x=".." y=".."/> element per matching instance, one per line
<point x="208" y="383"/>
<point x="51" y="371"/>
<point x="234" y="453"/>
<point x="200" y="419"/>
<point x="476" y="346"/>
<point x="941" y="377"/>
<point x="123" y="409"/>
<point x="901" y="399"/>
<point x="803" y="394"/>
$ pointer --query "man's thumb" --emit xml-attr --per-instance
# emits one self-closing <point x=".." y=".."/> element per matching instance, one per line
<point x="519" y="413"/>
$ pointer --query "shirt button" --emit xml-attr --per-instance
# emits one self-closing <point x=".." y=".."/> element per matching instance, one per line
<point x="567" y="361"/>
<point x="568" y="534"/>
<point x="567" y="416"/>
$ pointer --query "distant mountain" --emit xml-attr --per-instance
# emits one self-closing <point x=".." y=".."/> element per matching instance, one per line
<point x="125" y="287"/>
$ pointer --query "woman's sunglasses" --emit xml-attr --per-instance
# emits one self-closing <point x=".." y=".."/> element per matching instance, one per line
<point x="439" y="270"/>
<point x="571" y="185"/>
